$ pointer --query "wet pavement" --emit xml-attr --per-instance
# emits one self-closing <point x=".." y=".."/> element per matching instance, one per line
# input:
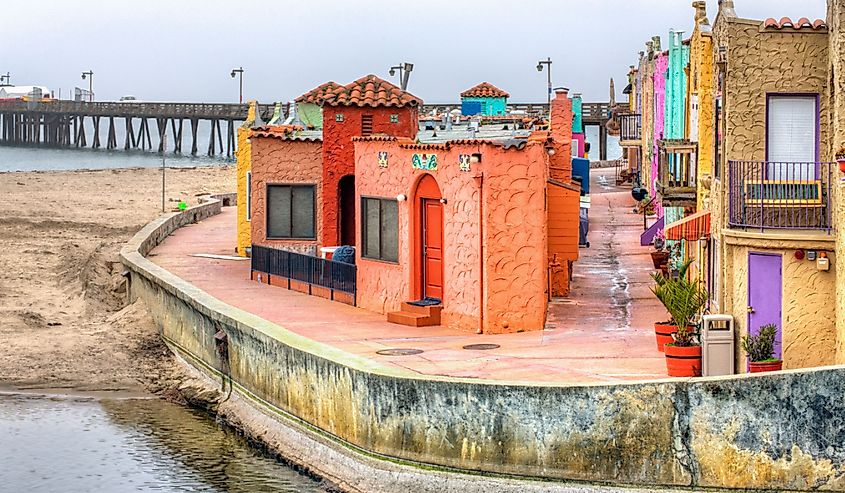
<point x="602" y="333"/>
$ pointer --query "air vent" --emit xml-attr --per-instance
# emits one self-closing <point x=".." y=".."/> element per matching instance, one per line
<point x="366" y="125"/>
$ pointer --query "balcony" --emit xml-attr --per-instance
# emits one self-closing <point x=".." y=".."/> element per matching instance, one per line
<point x="630" y="130"/>
<point x="778" y="195"/>
<point x="676" y="180"/>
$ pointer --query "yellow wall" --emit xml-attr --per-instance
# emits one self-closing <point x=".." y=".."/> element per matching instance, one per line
<point x="836" y="69"/>
<point x="244" y="165"/>
<point x="702" y="84"/>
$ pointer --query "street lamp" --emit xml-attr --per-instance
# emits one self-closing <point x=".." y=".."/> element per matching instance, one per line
<point x="239" y="71"/>
<point x="548" y="63"/>
<point x="90" y="76"/>
<point x="404" y="69"/>
<point x="7" y="77"/>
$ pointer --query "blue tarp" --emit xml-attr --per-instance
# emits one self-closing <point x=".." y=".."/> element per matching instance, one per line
<point x="581" y="168"/>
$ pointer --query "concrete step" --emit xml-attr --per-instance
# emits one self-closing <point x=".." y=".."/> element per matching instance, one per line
<point x="432" y="310"/>
<point x="413" y="319"/>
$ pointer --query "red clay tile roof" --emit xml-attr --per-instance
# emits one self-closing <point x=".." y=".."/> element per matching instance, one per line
<point x="317" y="94"/>
<point x="370" y="91"/>
<point x="484" y="90"/>
<point x="282" y="132"/>
<point x="801" y="23"/>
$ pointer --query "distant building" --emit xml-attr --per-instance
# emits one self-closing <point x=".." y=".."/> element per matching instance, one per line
<point x="308" y="105"/>
<point x="484" y="99"/>
<point x="20" y="92"/>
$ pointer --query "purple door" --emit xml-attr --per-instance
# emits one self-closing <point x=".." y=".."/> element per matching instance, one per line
<point x="765" y="294"/>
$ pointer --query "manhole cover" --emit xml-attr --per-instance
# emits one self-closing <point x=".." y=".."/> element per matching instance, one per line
<point x="398" y="352"/>
<point x="481" y="347"/>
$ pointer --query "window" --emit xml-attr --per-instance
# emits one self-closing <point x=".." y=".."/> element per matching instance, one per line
<point x="380" y="229"/>
<point x="290" y="212"/>
<point x="338" y="117"/>
<point x="394" y="118"/>
<point x="366" y="125"/>
<point x="717" y="141"/>
<point x="248" y="195"/>
<point x="792" y="123"/>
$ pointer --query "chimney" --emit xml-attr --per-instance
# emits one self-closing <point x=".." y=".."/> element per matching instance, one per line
<point x="655" y="42"/>
<point x="726" y="8"/>
<point x="560" y="133"/>
<point x="700" y="11"/>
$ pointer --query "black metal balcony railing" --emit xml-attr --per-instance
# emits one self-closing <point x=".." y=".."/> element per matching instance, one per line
<point x="778" y="195"/>
<point x="630" y="127"/>
<point x="313" y="271"/>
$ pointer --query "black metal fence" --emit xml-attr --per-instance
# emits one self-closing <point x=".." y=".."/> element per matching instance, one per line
<point x="313" y="271"/>
<point x="778" y="195"/>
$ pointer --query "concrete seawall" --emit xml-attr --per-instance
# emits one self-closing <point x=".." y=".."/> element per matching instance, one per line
<point x="777" y="431"/>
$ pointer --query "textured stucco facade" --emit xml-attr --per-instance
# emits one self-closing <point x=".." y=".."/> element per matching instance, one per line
<point x="759" y="62"/>
<point x="658" y="119"/>
<point x="509" y="185"/>
<point x="243" y="162"/>
<point x="490" y="106"/>
<point x="702" y="89"/>
<point x="279" y="161"/>
<point x="836" y="98"/>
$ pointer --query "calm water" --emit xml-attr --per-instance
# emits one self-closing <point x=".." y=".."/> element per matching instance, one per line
<point x="85" y="445"/>
<point x="46" y="159"/>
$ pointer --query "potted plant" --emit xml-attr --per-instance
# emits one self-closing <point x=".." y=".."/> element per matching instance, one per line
<point x="663" y="331"/>
<point x="760" y="349"/>
<point x="840" y="158"/>
<point x="659" y="257"/>
<point x="684" y="299"/>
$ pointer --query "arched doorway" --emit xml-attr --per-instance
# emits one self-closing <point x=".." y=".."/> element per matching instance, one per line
<point x="428" y="241"/>
<point x="346" y="210"/>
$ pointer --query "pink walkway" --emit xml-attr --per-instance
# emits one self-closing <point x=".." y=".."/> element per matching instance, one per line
<point x="603" y="332"/>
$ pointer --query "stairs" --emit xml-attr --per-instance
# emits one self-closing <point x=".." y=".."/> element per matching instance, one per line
<point x="416" y="316"/>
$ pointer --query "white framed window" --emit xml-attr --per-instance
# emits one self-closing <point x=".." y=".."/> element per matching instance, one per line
<point x="792" y="124"/>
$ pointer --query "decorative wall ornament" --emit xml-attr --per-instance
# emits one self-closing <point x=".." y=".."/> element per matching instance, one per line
<point x="426" y="162"/>
<point x="382" y="159"/>
<point x="463" y="162"/>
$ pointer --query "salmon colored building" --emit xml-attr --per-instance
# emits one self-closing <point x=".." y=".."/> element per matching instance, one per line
<point x="483" y="228"/>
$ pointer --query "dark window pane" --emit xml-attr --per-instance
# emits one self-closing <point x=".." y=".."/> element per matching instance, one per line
<point x="303" y="212"/>
<point x="278" y="211"/>
<point x="390" y="230"/>
<point x="371" y="228"/>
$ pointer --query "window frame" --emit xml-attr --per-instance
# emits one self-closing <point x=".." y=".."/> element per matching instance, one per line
<point x="795" y="95"/>
<point x="364" y="253"/>
<point x="313" y="187"/>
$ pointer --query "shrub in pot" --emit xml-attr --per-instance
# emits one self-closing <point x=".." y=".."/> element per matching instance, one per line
<point x="760" y="349"/>
<point x="684" y="299"/>
<point x="664" y="331"/>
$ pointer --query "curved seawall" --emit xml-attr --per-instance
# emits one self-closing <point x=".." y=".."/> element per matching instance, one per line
<point x="776" y="431"/>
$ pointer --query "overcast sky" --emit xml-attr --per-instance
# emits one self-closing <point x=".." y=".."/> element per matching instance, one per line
<point x="183" y="50"/>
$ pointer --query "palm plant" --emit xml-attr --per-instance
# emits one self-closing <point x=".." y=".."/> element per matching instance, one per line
<point x="683" y="299"/>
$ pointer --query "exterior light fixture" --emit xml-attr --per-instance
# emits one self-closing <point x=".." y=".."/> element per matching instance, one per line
<point x="475" y="158"/>
<point x="443" y="201"/>
<point x="401" y="197"/>
<point x="548" y="63"/>
<point x="550" y="151"/>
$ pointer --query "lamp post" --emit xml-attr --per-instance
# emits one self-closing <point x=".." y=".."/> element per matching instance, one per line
<point x="404" y="69"/>
<point x="548" y="63"/>
<point x="6" y="79"/>
<point x="90" y="76"/>
<point x="239" y="71"/>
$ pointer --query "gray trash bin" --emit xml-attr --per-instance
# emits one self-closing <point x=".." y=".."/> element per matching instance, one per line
<point x="717" y="345"/>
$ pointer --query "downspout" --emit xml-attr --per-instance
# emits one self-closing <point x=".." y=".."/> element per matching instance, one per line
<point x="479" y="179"/>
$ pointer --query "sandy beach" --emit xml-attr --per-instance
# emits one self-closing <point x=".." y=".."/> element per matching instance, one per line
<point x="64" y="323"/>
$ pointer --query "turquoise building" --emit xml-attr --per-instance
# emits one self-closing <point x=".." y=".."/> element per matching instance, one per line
<point x="676" y="87"/>
<point x="484" y="99"/>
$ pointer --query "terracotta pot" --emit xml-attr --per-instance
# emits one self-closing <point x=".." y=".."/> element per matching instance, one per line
<point x="841" y="165"/>
<point x="663" y="333"/>
<point x="683" y="361"/>
<point x="659" y="259"/>
<point x="763" y="366"/>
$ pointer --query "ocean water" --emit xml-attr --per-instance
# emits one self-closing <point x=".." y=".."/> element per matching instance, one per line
<point x="16" y="158"/>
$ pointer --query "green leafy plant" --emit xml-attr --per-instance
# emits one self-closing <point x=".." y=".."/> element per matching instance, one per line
<point x="683" y="299"/>
<point x="761" y="347"/>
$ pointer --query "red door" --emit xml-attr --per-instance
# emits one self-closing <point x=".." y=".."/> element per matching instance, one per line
<point x="432" y="248"/>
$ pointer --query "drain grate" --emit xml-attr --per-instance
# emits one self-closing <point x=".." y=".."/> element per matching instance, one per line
<point x="399" y="352"/>
<point x="481" y="347"/>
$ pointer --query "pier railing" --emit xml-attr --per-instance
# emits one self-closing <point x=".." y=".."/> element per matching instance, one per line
<point x="780" y="195"/>
<point x="222" y="111"/>
<point x="630" y="128"/>
<point x="306" y="269"/>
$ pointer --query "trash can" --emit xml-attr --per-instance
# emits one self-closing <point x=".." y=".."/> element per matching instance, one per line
<point x="717" y="345"/>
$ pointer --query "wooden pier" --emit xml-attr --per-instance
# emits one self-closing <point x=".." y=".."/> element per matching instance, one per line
<point x="63" y="124"/>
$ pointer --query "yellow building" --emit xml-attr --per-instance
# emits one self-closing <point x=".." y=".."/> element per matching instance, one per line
<point x="836" y="70"/>
<point x="702" y="87"/>
<point x="244" y="167"/>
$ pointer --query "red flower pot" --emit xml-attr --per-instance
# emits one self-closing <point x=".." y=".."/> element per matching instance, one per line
<point x="683" y="361"/>
<point x="663" y="333"/>
<point x="763" y="366"/>
<point x="841" y="164"/>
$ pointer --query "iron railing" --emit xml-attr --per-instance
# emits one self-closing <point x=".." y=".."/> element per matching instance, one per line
<point x="780" y="195"/>
<point x="630" y="127"/>
<point x="307" y="269"/>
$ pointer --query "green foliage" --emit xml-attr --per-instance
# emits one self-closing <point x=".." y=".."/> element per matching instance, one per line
<point x="683" y="299"/>
<point x="761" y="347"/>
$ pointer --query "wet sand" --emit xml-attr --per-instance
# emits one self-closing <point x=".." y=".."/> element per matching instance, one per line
<point x="63" y="319"/>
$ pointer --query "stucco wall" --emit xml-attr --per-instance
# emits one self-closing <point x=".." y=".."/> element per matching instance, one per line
<point x="310" y="114"/>
<point x="243" y="162"/>
<point x="776" y="431"/>
<point x="514" y="233"/>
<point x="277" y="161"/>
<point x="658" y="119"/>
<point x="836" y="69"/>
<point x="339" y="152"/>
<point x="702" y="85"/>
<point x="492" y="106"/>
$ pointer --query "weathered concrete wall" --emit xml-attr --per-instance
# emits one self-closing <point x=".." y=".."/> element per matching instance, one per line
<point x="279" y="161"/>
<point x="514" y="237"/>
<point x="775" y="431"/>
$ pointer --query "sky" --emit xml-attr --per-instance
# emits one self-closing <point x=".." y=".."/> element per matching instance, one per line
<point x="184" y="50"/>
